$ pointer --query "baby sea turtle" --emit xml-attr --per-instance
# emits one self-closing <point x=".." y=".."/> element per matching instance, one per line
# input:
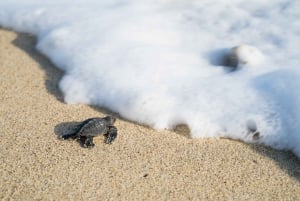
<point x="90" y="128"/>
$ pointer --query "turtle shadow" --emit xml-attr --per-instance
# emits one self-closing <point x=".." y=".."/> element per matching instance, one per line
<point x="65" y="128"/>
<point x="68" y="128"/>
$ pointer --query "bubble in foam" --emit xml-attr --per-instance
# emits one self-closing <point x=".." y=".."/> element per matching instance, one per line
<point x="242" y="55"/>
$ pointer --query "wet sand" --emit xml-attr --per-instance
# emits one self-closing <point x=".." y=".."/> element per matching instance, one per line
<point x="142" y="164"/>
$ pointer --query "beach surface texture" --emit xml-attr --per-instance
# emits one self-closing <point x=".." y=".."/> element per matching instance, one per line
<point x="141" y="164"/>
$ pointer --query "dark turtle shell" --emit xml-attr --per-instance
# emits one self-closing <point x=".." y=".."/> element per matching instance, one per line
<point x="93" y="127"/>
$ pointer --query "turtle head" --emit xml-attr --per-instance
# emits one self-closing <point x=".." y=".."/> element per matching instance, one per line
<point x="110" y="120"/>
<point x="111" y="135"/>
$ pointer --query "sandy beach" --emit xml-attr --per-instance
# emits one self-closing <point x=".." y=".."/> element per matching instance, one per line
<point x="142" y="164"/>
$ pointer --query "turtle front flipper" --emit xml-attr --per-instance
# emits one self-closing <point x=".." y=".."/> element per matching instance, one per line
<point x="87" y="142"/>
<point x="111" y="134"/>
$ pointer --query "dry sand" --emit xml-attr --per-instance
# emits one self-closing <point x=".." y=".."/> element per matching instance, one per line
<point x="142" y="164"/>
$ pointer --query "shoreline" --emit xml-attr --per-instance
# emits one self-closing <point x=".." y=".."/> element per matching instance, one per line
<point x="142" y="164"/>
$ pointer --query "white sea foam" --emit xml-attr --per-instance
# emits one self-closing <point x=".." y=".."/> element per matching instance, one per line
<point x="160" y="62"/>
